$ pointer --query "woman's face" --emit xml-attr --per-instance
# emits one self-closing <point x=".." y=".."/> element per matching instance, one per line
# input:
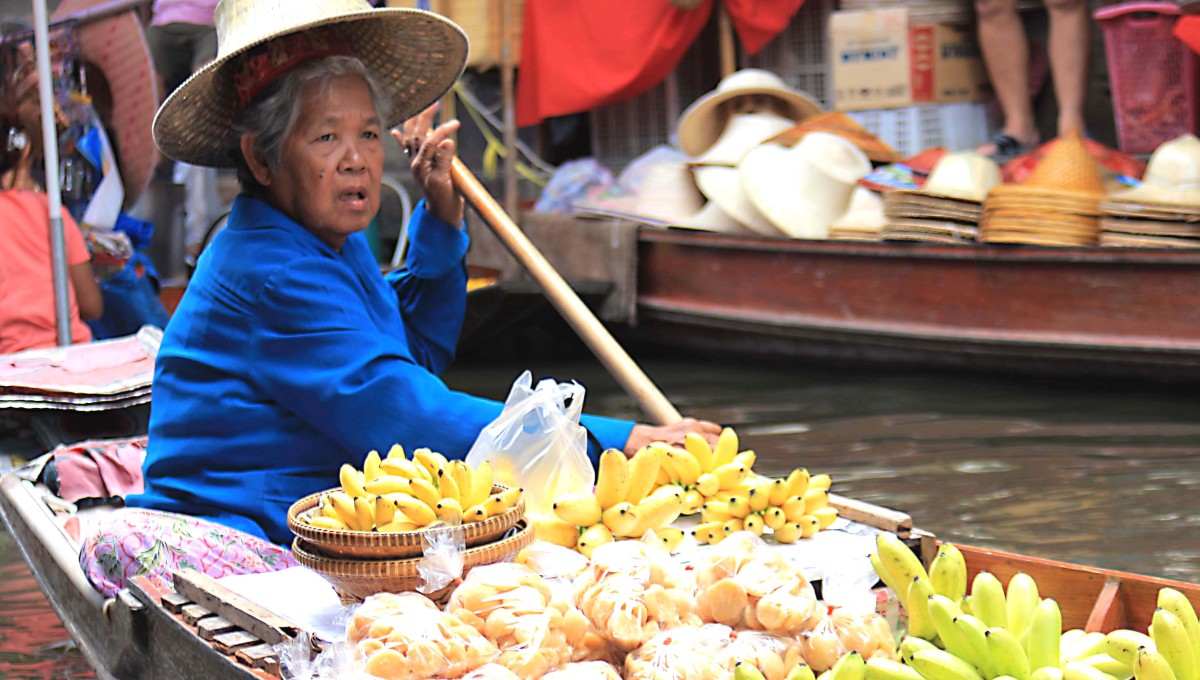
<point x="328" y="177"/>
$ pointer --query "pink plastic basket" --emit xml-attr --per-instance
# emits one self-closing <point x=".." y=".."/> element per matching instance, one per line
<point x="1152" y="74"/>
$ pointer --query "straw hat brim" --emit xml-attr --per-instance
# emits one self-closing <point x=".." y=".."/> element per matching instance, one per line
<point x="417" y="56"/>
<point x="1155" y="195"/>
<point x="700" y="124"/>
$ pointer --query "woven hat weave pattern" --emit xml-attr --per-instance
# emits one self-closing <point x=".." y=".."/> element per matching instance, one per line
<point x="417" y="56"/>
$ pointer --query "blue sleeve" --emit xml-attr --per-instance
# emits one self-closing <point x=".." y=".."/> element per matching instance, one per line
<point x="432" y="289"/>
<point x="317" y="353"/>
<point x="606" y="433"/>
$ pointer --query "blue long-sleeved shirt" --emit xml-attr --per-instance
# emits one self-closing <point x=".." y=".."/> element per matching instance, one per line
<point x="287" y="358"/>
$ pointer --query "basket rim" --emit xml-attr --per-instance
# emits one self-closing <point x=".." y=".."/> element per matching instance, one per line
<point x="398" y="539"/>
<point x="352" y="568"/>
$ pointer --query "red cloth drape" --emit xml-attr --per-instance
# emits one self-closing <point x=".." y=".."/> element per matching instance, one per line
<point x="1187" y="29"/>
<point x="581" y="55"/>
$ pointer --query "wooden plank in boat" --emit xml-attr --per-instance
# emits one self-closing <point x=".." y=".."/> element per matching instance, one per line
<point x="877" y="516"/>
<point x="192" y="613"/>
<point x="260" y="656"/>
<point x="174" y="602"/>
<point x="229" y="643"/>
<point x="213" y="626"/>
<point x="203" y="589"/>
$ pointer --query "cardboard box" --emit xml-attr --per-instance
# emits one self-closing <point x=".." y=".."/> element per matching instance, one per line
<point x="880" y="60"/>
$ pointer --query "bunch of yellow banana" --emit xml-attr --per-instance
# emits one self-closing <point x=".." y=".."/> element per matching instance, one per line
<point x="398" y="494"/>
<point x="625" y="504"/>
<point x="700" y="471"/>
<point x="792" y="507"/>
<point x="1172" y="649"/>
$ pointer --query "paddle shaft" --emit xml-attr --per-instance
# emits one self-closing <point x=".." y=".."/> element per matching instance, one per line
<point x="565" y="300"/>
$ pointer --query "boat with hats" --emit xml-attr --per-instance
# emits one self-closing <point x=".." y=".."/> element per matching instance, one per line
<point x="1057" y="274"/>
<point x="205" y="630"/>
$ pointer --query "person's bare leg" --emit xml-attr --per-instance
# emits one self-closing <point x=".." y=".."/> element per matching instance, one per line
<point x="1006" y="56"/>
<point x="1070" y="41"/>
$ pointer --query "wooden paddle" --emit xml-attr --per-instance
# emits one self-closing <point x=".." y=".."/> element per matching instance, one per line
<point x="631" y="377"/>
<point x="622" y="367"/>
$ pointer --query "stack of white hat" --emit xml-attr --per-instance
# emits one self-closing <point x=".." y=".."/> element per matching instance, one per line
<point x="1164" y="211"/>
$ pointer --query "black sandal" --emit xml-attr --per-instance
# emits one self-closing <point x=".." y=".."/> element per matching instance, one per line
<point x="1007" y="148"/>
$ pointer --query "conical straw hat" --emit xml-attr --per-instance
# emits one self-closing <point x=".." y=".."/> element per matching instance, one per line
<point x="1172" y="175"/>
<point x="702" y="122"/>
<point x="416" y="56"/>
<point x="1067" y="168"/>
<point x="723" y="186"/>
<point x="744" y="132"/>
<point x="801" y="190"/>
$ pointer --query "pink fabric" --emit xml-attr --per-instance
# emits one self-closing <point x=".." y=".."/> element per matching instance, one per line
<point x="99" y="469"/>
<point x="26" y="285"/>
<point x="137" y="542"/>
<point x="199" y="12"/>
<point x="105" y="367"/>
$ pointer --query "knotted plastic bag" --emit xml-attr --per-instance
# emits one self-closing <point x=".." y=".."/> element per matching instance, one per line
<point x="537" y="443"/>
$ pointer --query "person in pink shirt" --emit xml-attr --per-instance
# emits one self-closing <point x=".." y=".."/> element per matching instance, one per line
<point x="27" y="318"/>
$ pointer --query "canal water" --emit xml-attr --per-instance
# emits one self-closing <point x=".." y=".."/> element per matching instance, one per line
<point x="1104" y="474"/>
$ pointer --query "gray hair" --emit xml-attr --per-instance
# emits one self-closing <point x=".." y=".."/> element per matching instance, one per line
<point x="271" y="117"/>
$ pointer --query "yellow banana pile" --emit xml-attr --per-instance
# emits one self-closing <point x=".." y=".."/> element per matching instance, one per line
<point x="625" y="504"/>
<point x="396" y="494"/>
<point x="792" y="507"/>
<point x="994" y="633"/>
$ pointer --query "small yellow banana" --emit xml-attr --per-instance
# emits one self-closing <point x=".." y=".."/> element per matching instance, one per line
<point x="643" y="473"/>
<point x="656" y="512"/>
<point x="425" y="492"/>
<point x="774" y="518"/>
<point x="686" y="466"/>
<point x="746" y="459"/>
<point x="734" y="525"/>
<point x="671" y="537"/>
<point x="450" y="511"/>
<point x="364" y="514"/>
<point x="710" y="532"/>
<point x="815" y="498"/>
<point x="729" y="475"/>
<point x="620" y="519"/>
<point x="323" y="522"/>
<point x="475" y="513"/>
<point x="810" y="526"/>
<point x="790" y="532"/>
<point x="463" y="478"/>
<point x="760" y="498"/>
<point x="556" y="531"/>
<point x="343" y="505"/>
<point x="499" y="503"/>
<point x="612" y="478"/>
<point x="727" y="447"/>
<point x="700" y="450"/>
<point x="400" y="467"/>
<point x="739" y="506"/>
<point x="371" y="466"/>
<point x="482" y="480"/>
<point x="754" y="524"/>
<point x="708" y="484"/>
<point x="715" y="511"/>
<point x="825" y="516"/>
<point x="385" y="510"/>
<point x="593" y="537"/>
<point x="395" y="453"/>
<point x="693" y="500"/>
<point x="797" y="482"/>
<point x="417" y="510"/>
<point x="447" y="486"/>
<point x="820" y="482"/>
<point x="430" y="460"/>
<point x="388" y="484"/>
<point x="579" y="509"/>
<point x="352" y="481"/>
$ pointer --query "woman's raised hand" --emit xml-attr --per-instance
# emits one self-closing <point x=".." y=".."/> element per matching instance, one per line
<point x="673" y="434"/>
<point x="430" y="151"/>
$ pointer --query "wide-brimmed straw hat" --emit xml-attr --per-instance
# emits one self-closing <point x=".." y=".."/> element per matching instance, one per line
<point x="702" y="122"/>
<point x="1172" y="175"/>
<point x="743" y="132"/>
<point x="801" y="190"/>
<point x="723" y="186"/>
<point x="416" y="56"/>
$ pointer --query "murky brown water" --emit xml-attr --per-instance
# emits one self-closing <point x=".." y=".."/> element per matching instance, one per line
<point x="1099" y="474"/>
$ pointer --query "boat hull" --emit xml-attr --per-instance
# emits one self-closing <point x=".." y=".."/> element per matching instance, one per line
<point x="1024" y="308"/>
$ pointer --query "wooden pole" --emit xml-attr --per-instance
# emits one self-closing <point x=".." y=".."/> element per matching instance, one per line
<point x="622" y="367"/>
<point x="507" y="77"/>
<point x="725" y="40"/>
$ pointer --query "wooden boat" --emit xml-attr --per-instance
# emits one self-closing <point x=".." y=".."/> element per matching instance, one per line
<point x="1076" y="311"/>
<point x="206" y="632"/>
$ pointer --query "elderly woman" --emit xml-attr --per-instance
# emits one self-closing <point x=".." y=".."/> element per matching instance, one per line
<point x="290" y="354"/>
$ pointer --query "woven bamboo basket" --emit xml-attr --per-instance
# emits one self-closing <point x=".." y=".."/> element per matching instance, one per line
<point x="357" y="579"/>
<point x="390" y="546"/>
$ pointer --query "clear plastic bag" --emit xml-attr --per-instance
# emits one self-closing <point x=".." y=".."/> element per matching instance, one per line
<point x="537" y="443"/>
<point x="632" y="591"/>
<point x="689" y="653"/>
<point x="772" y="655"/>
<point x="513" y="607"/>
<point x="585" y="670"/>
<point x="840" y="632"/>
<point x="405" y="637"/>
<point x="744" y="584"/>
